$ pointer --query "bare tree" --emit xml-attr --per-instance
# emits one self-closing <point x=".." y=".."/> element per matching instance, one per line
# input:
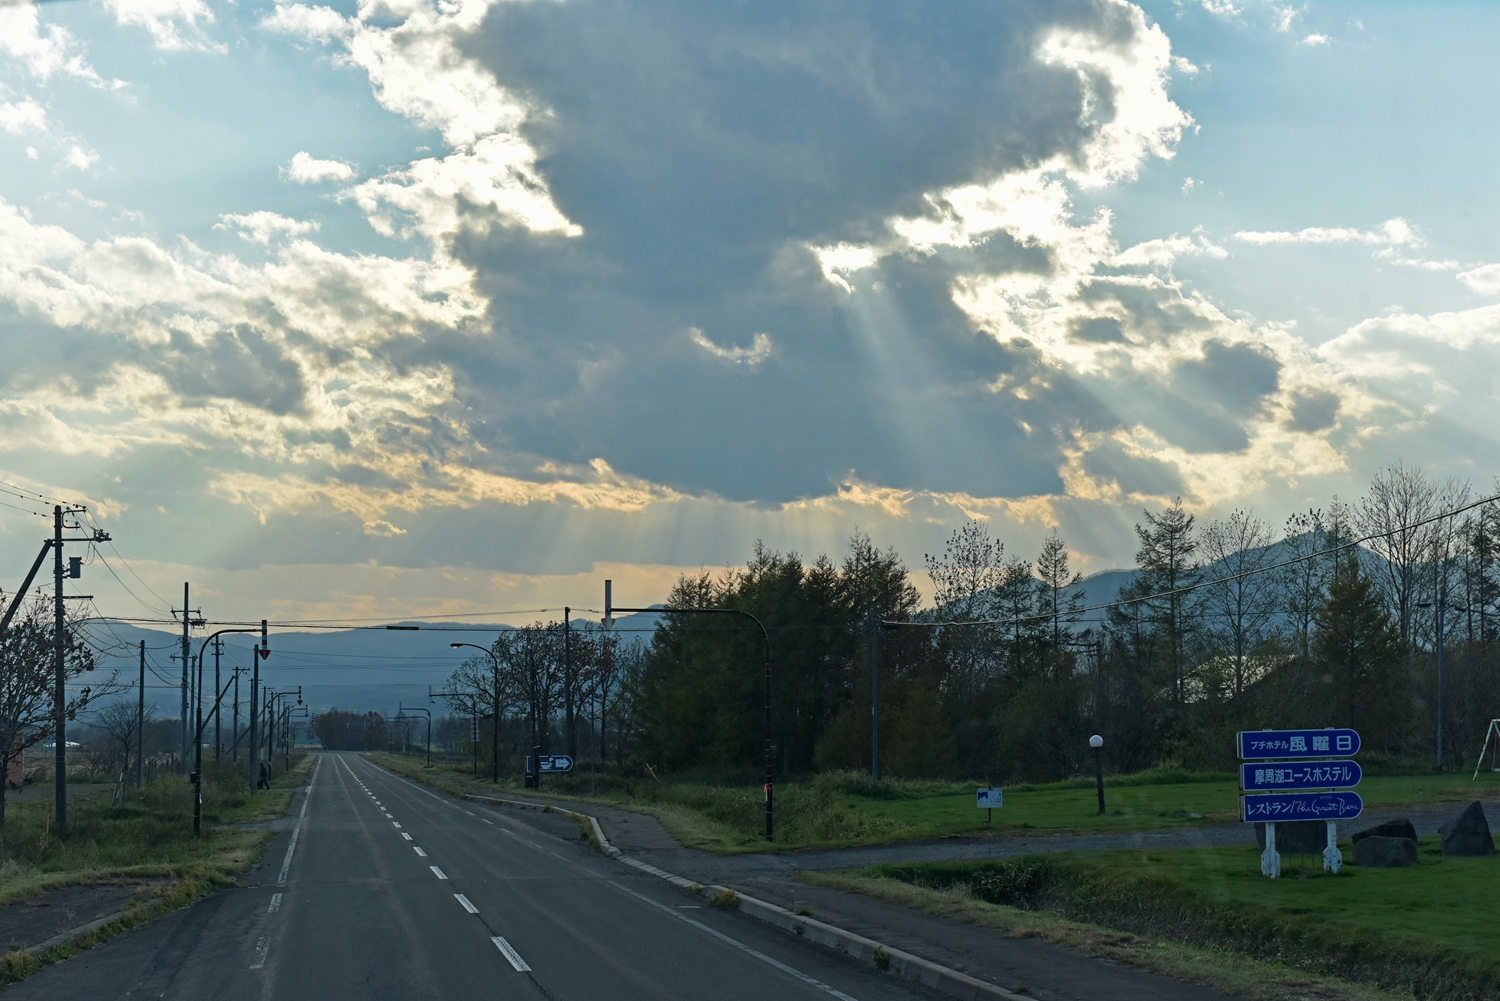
<point x="1303" y="582"/>
<point x="27" y="676"/>
<point x="1400" y="498"/>
<point x="120" y="724"/>
<point x="1240" y="608"/>
<point x="1057" y="594"/>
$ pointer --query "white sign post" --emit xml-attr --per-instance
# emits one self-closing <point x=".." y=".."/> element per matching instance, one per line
<point x="988" y="798"/>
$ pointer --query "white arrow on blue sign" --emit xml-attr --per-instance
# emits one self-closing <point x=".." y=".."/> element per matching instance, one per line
<point x="1255" y="744"/>
<point x="1277" y="808"/>
<point x="1261" y="776"/>
<point x="554" y="762"/>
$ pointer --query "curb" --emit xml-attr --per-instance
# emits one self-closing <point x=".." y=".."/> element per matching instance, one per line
<point x="903" y="964"/>
<point x="73" y="934"/>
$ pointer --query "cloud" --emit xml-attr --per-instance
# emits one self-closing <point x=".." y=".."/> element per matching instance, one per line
<point x="43" y="52"/>
<point x="174" y="25"/>
<point x="305" y="170"/>
<point x="1485" y="279"/>
<point x="260" y="227"/>
<point x="758" y="351"/>
<point x="79" y="158"/>
<point x="22" y="116"/>
<point x="1314" y="40"/>
<point x="1393" y="232"/>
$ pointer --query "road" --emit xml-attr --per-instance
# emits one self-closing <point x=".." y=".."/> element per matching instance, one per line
<point x="383" y="889"/>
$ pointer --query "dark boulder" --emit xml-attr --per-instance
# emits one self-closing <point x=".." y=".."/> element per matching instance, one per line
<point x="1390" y="829"/>
<point x="1377" y="851"/>
<point x="1468" y="833"/>
<point x="1296" y="837"/>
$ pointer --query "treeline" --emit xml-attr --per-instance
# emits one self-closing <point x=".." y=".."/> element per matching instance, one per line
<point x="1228" y="625"/>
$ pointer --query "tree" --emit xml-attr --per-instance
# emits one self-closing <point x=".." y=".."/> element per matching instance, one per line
<point x="1399" y="501"/>
<point x="1169" y="565"/>
<point x="27" y="676"/>
<point x="341" y="730"/>
<point x="1360" y="648"/>
<point x="1241" y="606"/>
<point x="1303" y="582"/>
<point x="1057" y="594"/>
<point x="120" y="723"/>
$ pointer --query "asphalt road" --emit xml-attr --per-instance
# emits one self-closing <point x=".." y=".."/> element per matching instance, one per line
<point x="383" y="889"/>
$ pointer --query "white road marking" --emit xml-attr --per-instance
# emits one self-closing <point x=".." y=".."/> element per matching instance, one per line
<point x="286" y="863"/>
<point x="419" y="851"/>
<point x="509" y="952"/>
<point x="438" y="872"/>
<point x="470" y="813"/>
<point x="395" y="825"/>
<point x="406" y="836"/>
<point x="275" y="903"/>
<point x="262" y="946"/>
<point x="487" y="821"/>
<point x="737" y="944"/>
<point x="465" y="901"/>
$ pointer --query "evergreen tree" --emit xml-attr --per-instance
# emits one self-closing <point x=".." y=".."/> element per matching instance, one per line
<point x="1169" y="566"/>
<point x="1359" y="646"/>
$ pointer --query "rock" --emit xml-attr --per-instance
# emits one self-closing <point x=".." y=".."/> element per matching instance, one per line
<point x="1296" y="837"/>
<point x="1468" y="833"/>
<point x="1379" y="851"/>
<point x="1390" y="829"/>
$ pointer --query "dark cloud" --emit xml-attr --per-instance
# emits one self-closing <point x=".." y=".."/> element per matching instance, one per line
<point x="1314" y="411"/>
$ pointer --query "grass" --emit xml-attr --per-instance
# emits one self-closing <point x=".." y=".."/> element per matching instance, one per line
<point x="1425" y="932"/>
<point x="148" y="834"/>
<point x="724" y="815"/>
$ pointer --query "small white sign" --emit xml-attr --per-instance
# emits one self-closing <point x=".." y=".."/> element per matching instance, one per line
<point x="991" y="799"/>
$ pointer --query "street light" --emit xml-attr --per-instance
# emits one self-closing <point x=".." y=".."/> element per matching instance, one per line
<point x="198" y="735"/>
<point x="1097" y="742"/>
<point x="1442" y="616"/>
<point x="418" y="709"/>
<point x="610" y="608"/>
<point x="495" y="731"/>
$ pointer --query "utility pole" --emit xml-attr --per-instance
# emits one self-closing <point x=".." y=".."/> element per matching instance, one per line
<point x="874" y="693"/>
<point x="140" y="726"/>
<point x="218" y="685"/>
<point x="59" y="653"/>
<point x="186" y="616"/>
<point x="568" y="682"/>
<point x="236" y="728"/>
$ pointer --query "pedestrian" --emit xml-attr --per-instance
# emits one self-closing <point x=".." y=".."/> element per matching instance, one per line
<point x="265" y="781"/>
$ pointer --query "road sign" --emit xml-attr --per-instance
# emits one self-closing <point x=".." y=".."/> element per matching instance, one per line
<point x="1254" y="744"/>
<point x="992" y="798"/>
<point x="1275" y="808"/>
<point x="1261" y="776"/>
<point x="552" y="763"/>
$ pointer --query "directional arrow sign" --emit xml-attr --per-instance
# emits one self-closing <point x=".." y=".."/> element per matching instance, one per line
<point x="1281" y="807"/>
<point x="1255" y="744"/>
<point x="1287" y="775"/>
<point x="555" y="763"/>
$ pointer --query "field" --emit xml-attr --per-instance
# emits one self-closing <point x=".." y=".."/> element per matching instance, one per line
<point x="1428" y="931"/>
<point x="845" y="808"/>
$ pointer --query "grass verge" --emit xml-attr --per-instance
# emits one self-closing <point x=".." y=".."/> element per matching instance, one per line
<point x="1423" y="932"/>
<point x="724" y="815"/>
<point x="146" y="838"/>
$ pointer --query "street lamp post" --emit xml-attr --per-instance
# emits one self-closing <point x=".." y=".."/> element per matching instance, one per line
<point x="495" y="730"/>
<point x="199" y="723"/>
<point x="1097" y="742"/>
<point x="610" y="609"/>
<point x="1442" y="616"/>
<point x="417" y="709"/>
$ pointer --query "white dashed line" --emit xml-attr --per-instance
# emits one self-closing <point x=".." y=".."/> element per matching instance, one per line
<point x="275" y="903"/>
<point x="510" y="953"/>
<point x="440" y="874"/>
<point x="395" y="825"/>
<point x="262" y="946"/>
<point x="419" y="851"/>
<point x="470" y="813"/>
<point x="406" y="836"/>
<point x="487" y="821"/>
<point x="465" y="901"/>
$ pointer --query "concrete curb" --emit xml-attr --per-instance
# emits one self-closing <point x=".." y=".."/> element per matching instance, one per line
<point x="903" y="964"/>
<point x="73" y="934"/>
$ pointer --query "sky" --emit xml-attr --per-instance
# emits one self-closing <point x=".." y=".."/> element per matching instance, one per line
<point x="397" y="309"/>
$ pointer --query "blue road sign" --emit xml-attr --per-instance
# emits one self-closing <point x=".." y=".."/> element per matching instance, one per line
<point x="1255" y="744"/>
<point x="1281" y="807"/>
<point x="992" y="798"/>
<point x="1262" y="776"/>
<point x="556" y="763"/>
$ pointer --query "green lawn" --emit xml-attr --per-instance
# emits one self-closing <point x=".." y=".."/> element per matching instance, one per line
<point x="1429" y="930"/>
<point x="845" y="808"/>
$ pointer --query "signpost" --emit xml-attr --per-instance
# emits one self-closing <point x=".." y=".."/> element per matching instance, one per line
<point x="988" y="798"/>
<point x="1286" y="775"/>
<point x="551" y="763"/>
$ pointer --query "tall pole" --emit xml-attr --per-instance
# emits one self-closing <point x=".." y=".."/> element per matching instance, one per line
<point x="186" y="666"/>
<point x="1442" y="611"/>
<point x="252" y="745"/>
<point x="59" y="655"/>
<point x="140" y="726"/>
<point x="218" y="687"/>
<point x="236" y="727"/>
<point x="875" y="693"/>
<point x="568" y="682"/>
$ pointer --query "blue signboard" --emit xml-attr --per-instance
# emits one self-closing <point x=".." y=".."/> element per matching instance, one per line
<point x="1255" y="744"/>
<point x="1281" y="807"/>
<point x="553" y="763"/>
<point x="1286" y="775"/>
